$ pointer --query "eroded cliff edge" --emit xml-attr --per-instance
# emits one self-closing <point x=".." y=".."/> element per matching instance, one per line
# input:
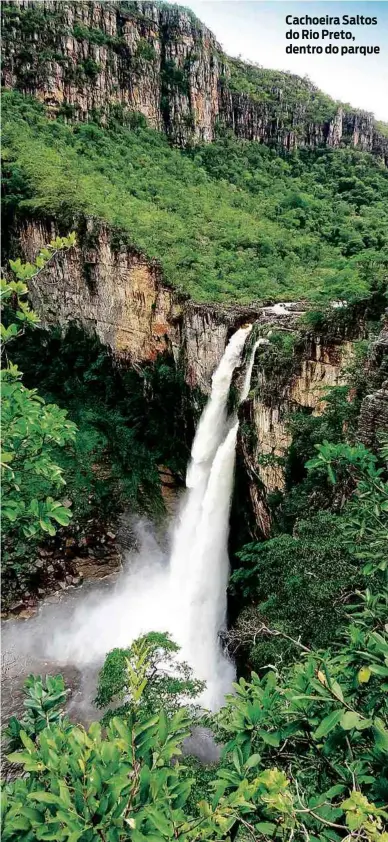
<point x="114" y="291"/>
<point x="90" y="60"/>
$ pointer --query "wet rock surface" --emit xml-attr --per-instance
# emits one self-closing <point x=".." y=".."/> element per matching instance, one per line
<point x="77" y="553"/>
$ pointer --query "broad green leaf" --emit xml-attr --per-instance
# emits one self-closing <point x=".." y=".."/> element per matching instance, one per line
<point x="352" y="719"/>
<point x="267" y="828"/>
<point x="328" y="723"/>
<point x="44" y="797"/>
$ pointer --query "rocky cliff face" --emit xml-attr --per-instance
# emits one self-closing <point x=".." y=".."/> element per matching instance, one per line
<point x="114" y="291"/>
<point x="319" y="364"/>
<point x="374" y="409"/>
<point x="117" y="293"/>
<point x="289" y="126"/>
<point x="87" y="60"/>
<point x="90" y="60"/>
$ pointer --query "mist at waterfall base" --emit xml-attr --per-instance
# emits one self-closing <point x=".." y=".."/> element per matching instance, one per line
<point x="182" y="592"/>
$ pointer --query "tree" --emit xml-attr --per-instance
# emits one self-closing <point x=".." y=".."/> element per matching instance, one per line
<point x="161" y="681"/>
<point x="365" y="525"/>
<point x="128" y="783"/>
<point x="304" y="752"/>
<point x="30" y="427"/>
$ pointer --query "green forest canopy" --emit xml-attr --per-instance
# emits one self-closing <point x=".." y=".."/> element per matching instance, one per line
<point x="227" y="221"/>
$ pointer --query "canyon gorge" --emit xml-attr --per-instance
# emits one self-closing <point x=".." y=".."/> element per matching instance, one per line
<point x="195" y="421"/>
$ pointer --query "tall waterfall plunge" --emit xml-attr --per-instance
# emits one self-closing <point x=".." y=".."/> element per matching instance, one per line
<point x="185" y="593"/>
<point x="199" y="565"/>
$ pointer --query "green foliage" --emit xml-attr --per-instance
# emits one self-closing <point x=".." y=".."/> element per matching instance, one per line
<point x="147" y="673"/>
<point x="97" y="36"/>
<point x="365" y="525"/>
<point x="115" y="456"/>
<point x="319" y="716"/>
<point x="382" y="128"/>
<point x="145" y="50"/>
<point x="283" y="92"/>
<point x="328" y="712"/>
<point x="30" y="427"/>
<point x="86" y="786"/>
<point x="229" y="221"/>
<point x="89" y="67"/>
<point x="128" y="784"/>
<point x="278" y="360"/>
<point x="304" y="754"/>
<point x="342" y="464"/>
<point x="174" y="77"/>
<point x="33" y="36"/>
<point x="299" y="583"/>
<point x="44" y="706"/>
<point x="307" y="491"/>
<point x="29" y="20"/>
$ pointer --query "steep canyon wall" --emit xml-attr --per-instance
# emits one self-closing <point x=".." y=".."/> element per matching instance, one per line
<point x="89" y="60"/>
<point x="114" y="291"/>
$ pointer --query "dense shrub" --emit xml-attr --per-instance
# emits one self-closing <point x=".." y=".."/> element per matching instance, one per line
<point x="116" y="455"/>
<point x="298" y="582"/>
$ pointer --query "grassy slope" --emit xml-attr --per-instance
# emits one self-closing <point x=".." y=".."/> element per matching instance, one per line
<point x="231" y="221"/>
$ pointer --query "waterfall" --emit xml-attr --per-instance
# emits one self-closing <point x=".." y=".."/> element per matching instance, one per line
<point x="185" y="593"/>
<point x="210" y="433"/>
<point x="199" y="564"/>
<point x="248" y="374"/>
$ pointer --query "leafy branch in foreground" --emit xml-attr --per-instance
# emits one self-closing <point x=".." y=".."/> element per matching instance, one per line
<point x="44" y="705"/>
<point x="365" y="525"/>
<point x="131" y="783"/>
<point x="30" y="427"/>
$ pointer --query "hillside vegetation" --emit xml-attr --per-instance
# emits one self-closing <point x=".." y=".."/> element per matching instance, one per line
<point x="228" y="221"/>
<point x="283" y="91"/>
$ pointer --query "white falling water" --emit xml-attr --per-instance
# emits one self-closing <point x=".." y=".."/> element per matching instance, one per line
<point x="186" y="594"/>
<point x="199" y="562"/>
<point x="210" y="433"/>
<point x="248" y="374"/>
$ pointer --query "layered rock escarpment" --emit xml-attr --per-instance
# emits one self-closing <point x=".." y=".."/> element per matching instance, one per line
<point x="316" y="363"/>
<point x="89" y="60"/>
<point x="86" y="60"/>
<point x="109" y="289"/>
<point x="319" y="364"/>
<point x="373" y="417"/>
<point x="116" y="292"/>
<point x="113" y="290"/>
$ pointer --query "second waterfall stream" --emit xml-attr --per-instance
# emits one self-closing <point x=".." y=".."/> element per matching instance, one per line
<point x="184" y="594"/>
